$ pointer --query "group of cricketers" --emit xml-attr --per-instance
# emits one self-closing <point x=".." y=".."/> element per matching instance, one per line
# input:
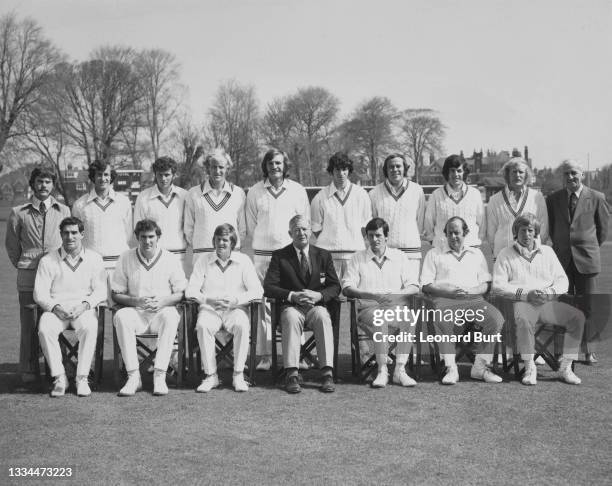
<point x="347" y="242"/>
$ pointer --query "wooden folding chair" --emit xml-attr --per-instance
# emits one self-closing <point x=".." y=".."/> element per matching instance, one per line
<point x="70" y="349"/>
<point x="224" y="351"/>
<point x="146" y="353"/>
<point x="363" y="371"/>
<point x="306" y="350"/>
<point x="548" y="339"/>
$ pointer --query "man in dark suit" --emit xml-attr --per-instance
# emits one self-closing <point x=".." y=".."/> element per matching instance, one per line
<point x="303" y="278"/>
<point x="578" y="224"/>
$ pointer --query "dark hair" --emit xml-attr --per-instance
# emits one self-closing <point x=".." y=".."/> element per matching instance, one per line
<point x="164" y="163"/>
<point x="389" y="158"/>
<point x="147" y="225"/>
<point x="268" y="156"/>
<point x="100" y="166"/>
<point x="72" y="221"/>
<point x="340" y="160"/>
<point x="464" y="225"/>
<point x="525" y="219"/>
<point x="376" y="223"/>
<point x="42" y="172"/>
<point x="454" y="161"/>
<point x="226" y="229"/>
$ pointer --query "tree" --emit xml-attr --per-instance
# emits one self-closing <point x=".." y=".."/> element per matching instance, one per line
<point x="233" y="123"/>
<point x="423" y="132"/>
<point x="27" y="59"/>
<point x="314" y="110"/>
<point x="369" y="131"/>
<point x="101" y="96"/>
<point x="279" y="130"/>
<point x="158" y="71"/>
<point x="189" y="148"/>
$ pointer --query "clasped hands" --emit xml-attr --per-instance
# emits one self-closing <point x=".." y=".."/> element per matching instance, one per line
<point x="152" y="303"/>
<point x="538" y="297"/>
<point x="306" y="297"/>
<point x="71" y="314"/>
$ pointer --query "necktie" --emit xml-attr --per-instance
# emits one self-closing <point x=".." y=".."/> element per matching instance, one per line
<point x="573" y="201"/>
<point x="304" y="266"/>
<point x="43" y="209"/>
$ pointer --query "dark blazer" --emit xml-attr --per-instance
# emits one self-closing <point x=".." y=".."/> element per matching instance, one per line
<point x="581" y="238"/>
<point x="284" y="275"/>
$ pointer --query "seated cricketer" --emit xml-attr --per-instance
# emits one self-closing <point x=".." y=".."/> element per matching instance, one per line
<point x="223" y="282"/>
<point x="456" y="276"/>
<point x="382" y="278"/>
<point x="148" y="281"/>
<point x="70" y="283"/>
<point x="303" y="277"/>
<point x="531" y="275"/>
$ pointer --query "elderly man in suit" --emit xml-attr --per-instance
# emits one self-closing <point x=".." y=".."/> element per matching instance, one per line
<point x="578" y="226"/>
<point x="303" y="277"/>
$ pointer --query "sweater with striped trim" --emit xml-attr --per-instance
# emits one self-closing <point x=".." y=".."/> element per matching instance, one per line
<point x="516" y="272"/>
<point x="501" y="213"/>
<point x="204" y="212"/>
<point x="63" y="281"/>
<point x="268" y="212"/>
<point x="151" y="204"/>
<point x="108" y="224"/>
<point x="405" y="214"/>
<point x="441" y="207"/>
<point x="340" y="219"/>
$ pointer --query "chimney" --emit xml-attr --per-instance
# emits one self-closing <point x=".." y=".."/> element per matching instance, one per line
<point x="526" y="157"/>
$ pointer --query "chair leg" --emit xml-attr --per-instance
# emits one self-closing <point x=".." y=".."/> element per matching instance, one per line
<point x="117" y="361"/>
<point x="99" y="354"/>
<point x="253" y="342"/>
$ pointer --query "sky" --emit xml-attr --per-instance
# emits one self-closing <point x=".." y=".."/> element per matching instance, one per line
<point x="501" y="74"/>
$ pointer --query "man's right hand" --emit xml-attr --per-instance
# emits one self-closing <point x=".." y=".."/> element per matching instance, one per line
<point x="61" y="313"/>
<point x="536" y="297"/>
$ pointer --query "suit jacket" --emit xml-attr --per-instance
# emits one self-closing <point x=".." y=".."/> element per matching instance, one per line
<point x="284" y="274"/>
<point x="580" y="238"/>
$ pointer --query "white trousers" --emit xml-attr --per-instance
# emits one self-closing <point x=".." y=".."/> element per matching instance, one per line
<point x="130" y="321"/>
<point x="86" y="327"/>
<point x="264" y="326"/>
<point x="235" y="322"/>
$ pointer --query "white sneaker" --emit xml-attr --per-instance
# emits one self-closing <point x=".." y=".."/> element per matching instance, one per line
<point x="305" y="365"/>
<point x="132" y="385"/>
<point x="381" y="379"/>
<point x="82" y="384"/>
<point x="531" y="374"/>
<point x="59" y="386"/>
<point x="239" y="384"/>
<point x="485" y="374"/>
<point x="264" y="364"/>
<point x="208" y="383"/>
<point x="452" y="375"/>
<point x="400" y="377"/>
<point x="159" y="383"/>
<point x="540" y="361"/>
<point x="566" y="373"/>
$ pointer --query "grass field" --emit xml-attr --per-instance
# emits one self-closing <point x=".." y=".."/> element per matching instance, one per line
<point x="472" y="432"/>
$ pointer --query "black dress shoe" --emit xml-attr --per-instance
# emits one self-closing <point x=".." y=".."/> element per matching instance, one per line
<point x="327" y="384"/>
<point x="292" y="385"/>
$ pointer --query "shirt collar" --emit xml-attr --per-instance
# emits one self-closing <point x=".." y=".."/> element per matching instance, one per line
<point x="392" y="188"/>
<point x="509" y="192"/>
<point x="93" y="195"/>
<point x="389" y="255"/>
<point x="524" y="251"/>
<point x="206" y="188"/>
<point x="215" y="258"/>
<point x="50" y="201"/>
<point x="267" y="183"/>
<point x="332" y="189"/>
<point x="578" y="192"/>
<point x="306" y="249"/>
<point x="145" y="259"/>
<point x="155" y="193"/>
<point x="447" y="249"/>
<point x="64" y="254"/>
<point x="461" y="190"/>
